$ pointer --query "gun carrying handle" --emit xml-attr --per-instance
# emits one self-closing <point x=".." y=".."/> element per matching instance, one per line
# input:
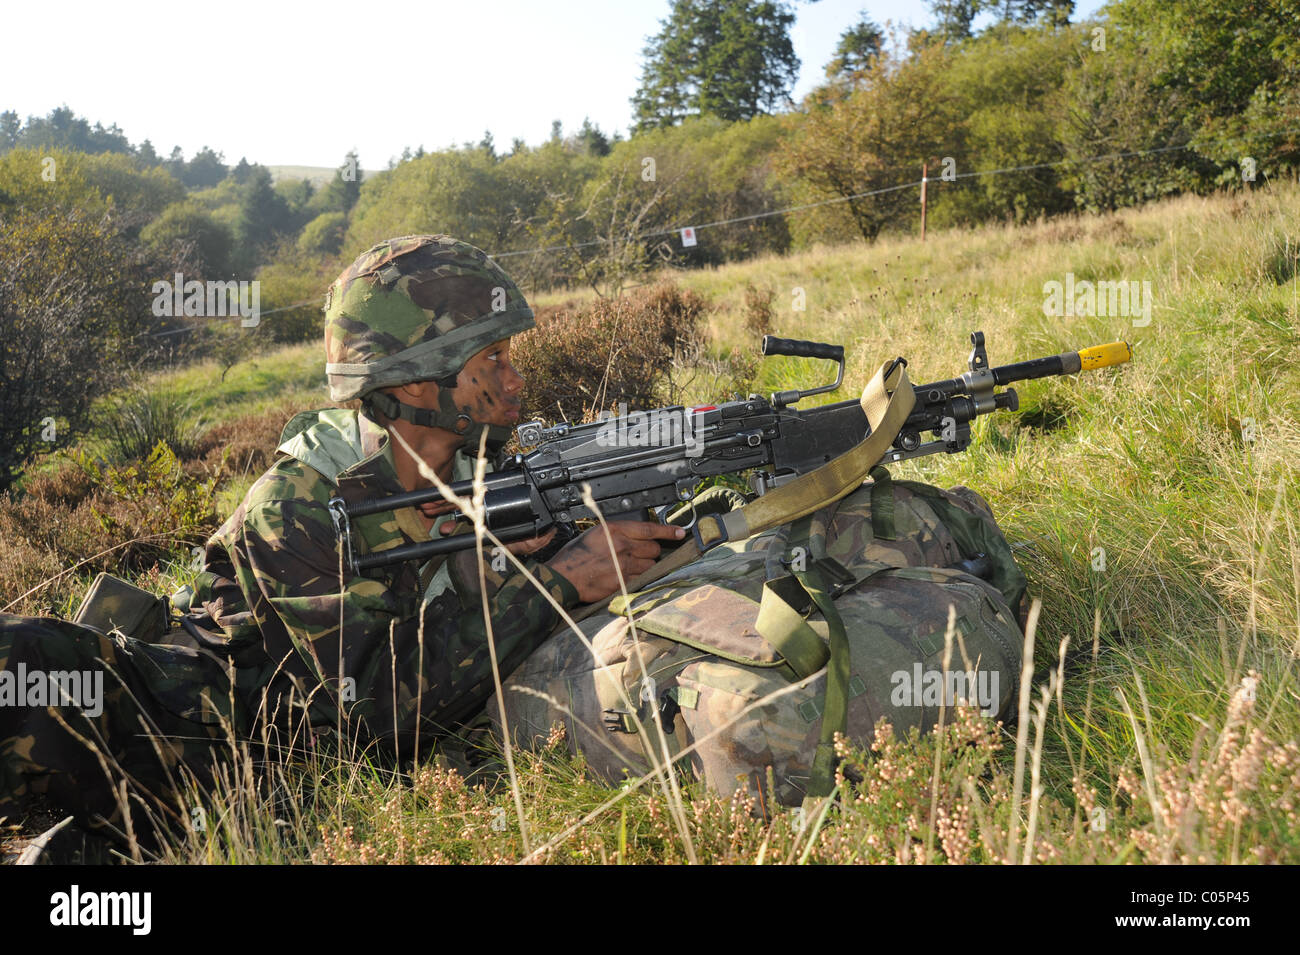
<point x="797" y="348"/>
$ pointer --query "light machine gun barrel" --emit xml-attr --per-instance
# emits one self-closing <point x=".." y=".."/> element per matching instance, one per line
<point x="654" y="460"/>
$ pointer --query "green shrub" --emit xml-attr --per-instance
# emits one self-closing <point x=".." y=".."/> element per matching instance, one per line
<point x="134" y="422"/>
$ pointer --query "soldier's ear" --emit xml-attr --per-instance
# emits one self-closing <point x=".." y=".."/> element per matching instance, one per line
<point x="421" y="394"/>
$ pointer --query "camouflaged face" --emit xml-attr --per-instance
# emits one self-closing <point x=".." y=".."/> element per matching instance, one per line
<point x="415" y="308"/>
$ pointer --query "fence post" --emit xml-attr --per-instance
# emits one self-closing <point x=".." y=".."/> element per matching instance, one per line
<point x="924" y="181"/>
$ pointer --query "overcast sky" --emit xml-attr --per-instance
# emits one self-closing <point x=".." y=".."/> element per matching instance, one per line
<point x="301" y="84"/>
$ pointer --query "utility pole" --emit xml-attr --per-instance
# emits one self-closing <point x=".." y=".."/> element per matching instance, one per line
<point x="924" y="180"/>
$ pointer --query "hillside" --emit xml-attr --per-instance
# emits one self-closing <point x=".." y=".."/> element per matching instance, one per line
<point x="318" y="176"/>
<point x="1152" y="506"/>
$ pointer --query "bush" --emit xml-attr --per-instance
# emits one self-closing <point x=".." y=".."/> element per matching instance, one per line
<point x="583" y="359"/>
<point x="89" y="516"/>
<point x="245" y="444"/>
<point x="153" y="496"/>
<point x="758" y="310"/>
<point x="323" y="235"/>
<point x="72" y="296"/>
<point x="134" y="422"/>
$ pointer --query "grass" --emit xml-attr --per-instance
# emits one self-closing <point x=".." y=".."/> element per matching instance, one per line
<point x="294" y="373"/>
<point x="1153" y="507"/>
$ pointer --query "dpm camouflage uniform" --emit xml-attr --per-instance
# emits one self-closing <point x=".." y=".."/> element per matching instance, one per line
<point x="155" y="727"/>
<point x="389" y="648"/>
<point x="285" y="635"/>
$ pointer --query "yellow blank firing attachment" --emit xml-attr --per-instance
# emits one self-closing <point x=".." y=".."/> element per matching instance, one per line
<point x="1102" y="356"/>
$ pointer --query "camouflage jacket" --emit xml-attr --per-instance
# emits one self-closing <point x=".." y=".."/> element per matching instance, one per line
<point x="375" y="646"/>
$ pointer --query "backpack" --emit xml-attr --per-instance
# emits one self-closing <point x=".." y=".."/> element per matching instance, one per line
<point x="732" y="654"/>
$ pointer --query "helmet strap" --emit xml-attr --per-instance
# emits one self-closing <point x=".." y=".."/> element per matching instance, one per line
<point x="447" y="416"/>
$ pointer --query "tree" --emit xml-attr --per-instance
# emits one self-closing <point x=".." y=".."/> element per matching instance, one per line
<point x="175" y="164"/>
<point x="1007" y="82"/>
<point x="727" y="58"/>
<point x="145" y="153"/>
<point x="186" y="231"/>
<point x="297" y="195"/>
<point x="345" y="188"/>
<point x="242" y="171"/>
<point x="1113" y="105"/>
<point x="457" y="191"/>
<point x="701" y="164"/>
<point x="10" y="125"/>
<point x="1235" y="67"/>
<point x="858" y="44"/>
<point x="590" y="140"/>
<point x="1055" y="13"/>
<point x="263" y="215"/>
<point x="323" y="236"/>
<point x="205" y="169"/>
<point x="877" y="138"/>
<point x="953" y="18"/>
<point x="64" y="129"/>
<point x="87" y="183"/>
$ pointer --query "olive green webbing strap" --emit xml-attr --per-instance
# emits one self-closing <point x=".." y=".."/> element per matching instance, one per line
<point x="835" y="709"/>
<point x="885" y="402"/>
<point x="782" y="623"/>
<point x="785" y="628"/>
<point x="882" y="504"/>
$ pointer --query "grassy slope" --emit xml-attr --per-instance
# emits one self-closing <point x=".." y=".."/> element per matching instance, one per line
<point x="1154" y="464"/>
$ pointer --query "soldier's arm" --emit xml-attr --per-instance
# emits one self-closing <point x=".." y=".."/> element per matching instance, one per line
<point x="385" y="657"/>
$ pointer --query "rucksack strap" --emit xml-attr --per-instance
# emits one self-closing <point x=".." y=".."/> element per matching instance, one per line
<point x="835" y="710"/>
<point x="782" y="623"/>
<point x="882" y="504"/>
<point x="783" y="626"/>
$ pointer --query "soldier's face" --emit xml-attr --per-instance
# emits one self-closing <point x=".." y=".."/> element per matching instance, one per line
<point x="490" y="387"/>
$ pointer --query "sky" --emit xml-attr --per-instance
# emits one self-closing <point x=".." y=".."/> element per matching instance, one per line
<point x="301" y="84"/>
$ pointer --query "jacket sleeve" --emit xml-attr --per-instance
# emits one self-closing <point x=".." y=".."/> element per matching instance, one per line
<point x="388" y="660"/>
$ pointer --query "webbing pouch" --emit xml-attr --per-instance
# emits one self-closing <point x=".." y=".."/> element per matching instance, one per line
<point x="113" y="604"/>
<point x="729" y="625"/>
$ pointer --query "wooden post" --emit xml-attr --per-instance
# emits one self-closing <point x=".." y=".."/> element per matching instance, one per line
<point x="924" y="180"/>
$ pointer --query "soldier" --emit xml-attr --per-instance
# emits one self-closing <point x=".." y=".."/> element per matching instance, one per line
<point x="286" y="640"/>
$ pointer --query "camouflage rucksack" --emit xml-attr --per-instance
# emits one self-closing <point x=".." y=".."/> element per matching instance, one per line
<point x="731" y="655"/>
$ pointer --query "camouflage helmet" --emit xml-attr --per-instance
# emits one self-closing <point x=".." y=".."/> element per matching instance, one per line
<point x="416" y="308"/>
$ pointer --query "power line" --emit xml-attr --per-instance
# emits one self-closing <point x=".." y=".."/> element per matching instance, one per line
<point x="864" y="195"/>
<point x="809" y="205"/>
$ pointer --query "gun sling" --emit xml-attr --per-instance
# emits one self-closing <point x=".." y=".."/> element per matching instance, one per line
<point x="886" y="403"/>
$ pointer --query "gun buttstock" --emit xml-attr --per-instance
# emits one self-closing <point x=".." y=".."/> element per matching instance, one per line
<point x="1103" y="356"/>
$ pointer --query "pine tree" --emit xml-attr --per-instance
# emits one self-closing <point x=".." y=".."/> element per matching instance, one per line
<point x="727" y="58"/>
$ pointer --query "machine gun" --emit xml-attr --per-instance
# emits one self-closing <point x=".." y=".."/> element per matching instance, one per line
<point x="653" y="461"/>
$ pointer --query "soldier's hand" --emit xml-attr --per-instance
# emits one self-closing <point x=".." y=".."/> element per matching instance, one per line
<point x="589" y="566"/>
